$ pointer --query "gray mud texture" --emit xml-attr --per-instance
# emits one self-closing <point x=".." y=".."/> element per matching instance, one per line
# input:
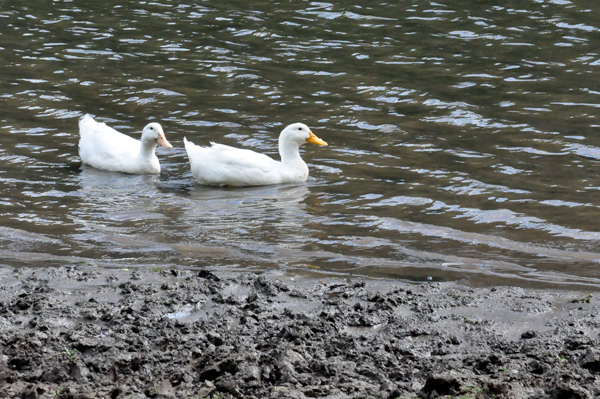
<point x="84" y="332"/>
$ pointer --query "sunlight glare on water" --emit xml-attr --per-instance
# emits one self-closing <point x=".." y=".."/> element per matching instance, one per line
<point x="463" y="137"/>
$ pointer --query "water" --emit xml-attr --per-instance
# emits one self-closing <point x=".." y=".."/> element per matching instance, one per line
<point x="463" y="137"/>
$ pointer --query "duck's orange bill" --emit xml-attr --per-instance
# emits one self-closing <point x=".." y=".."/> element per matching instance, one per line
<point x="162" y="140"/>
<point x="314" y="139"/>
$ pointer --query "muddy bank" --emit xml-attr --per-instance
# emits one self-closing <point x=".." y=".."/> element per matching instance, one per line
<point x="184" y="334"/>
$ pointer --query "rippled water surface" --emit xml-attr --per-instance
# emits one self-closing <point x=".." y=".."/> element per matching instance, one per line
<point x="463" y="136"/>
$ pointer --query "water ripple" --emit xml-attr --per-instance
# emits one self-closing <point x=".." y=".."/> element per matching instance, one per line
<point x="462" y="139"/>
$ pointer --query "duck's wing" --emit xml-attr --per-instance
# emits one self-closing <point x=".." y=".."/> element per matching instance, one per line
<point x="241" y="157"/>
<point x="104" y="147"/>
<point x="224" y="165"/>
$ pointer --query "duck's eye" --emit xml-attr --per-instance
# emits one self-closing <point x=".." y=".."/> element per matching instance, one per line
<point x="151" y="128"/>
<point x="299" y="128"/>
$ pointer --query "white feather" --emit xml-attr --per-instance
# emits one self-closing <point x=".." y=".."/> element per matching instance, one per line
<point x="222" y="165"/>
<point x="105" y="148"/>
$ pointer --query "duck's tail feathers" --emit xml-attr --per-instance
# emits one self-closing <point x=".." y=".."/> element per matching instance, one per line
<point x="85" y="118"/>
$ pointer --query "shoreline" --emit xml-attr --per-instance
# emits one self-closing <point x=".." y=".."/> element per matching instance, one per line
<point x="188" y="334"/>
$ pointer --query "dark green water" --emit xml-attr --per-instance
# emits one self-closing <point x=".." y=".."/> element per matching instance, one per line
<point x="464" y="137"/>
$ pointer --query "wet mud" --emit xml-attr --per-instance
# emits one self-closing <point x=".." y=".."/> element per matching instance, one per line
<point x="85" y="332"/>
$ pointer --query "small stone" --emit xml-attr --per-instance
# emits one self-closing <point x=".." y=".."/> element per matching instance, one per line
<point x="529" y="334"/>
<point x="206" y="389"/>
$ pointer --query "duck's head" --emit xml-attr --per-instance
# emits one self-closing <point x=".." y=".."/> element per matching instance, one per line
<point x="300" y="133"/>
<point x="154" y="131"/>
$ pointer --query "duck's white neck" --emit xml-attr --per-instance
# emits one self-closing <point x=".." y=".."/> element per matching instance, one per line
<point x="294" y="169"/>
<point x="147" y="149"/>
<point x="289" y="150"/>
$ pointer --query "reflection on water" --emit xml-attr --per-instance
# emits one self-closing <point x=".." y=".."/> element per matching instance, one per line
<point x="463" y="137"/>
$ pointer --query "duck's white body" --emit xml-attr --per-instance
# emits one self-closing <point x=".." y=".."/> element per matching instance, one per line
<point x="222" y="165"/>
<point x="105" y="148"/>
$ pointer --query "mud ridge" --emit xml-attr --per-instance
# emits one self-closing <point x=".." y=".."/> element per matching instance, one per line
<point x="84" y="332"/>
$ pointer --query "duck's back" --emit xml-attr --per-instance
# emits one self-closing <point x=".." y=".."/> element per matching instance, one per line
<point x="105" y="148"/>
<point x="222" y="165"/>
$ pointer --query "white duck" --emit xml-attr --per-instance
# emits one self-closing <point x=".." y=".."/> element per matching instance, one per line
<point x="221" y="165"/>
<point x="103" y="147"/>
